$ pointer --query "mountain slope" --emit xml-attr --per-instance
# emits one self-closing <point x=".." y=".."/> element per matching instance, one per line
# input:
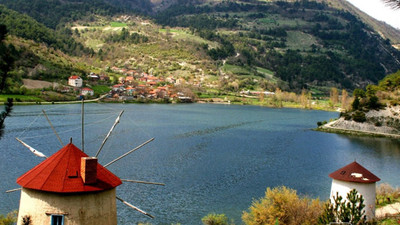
<point x="306" y="43"/>
<point x="385" y="30"/>
<point x="52" y="13"/>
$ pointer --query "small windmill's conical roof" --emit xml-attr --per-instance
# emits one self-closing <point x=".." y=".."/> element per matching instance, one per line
<point x="61" y="173"/>
<point x="354" y="172"/>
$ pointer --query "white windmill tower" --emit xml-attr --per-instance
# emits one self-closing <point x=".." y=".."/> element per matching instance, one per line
<point x="71" y="188"/>
<point x="355" y="176"/>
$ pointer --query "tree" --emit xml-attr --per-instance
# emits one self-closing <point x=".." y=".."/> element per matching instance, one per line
<point x="10" y="219"/>
<point x="6" y="57"/>
<point x="344" y="99"/>
<point x="334" y="96"/>
<point x="395" y="4"/>
<point x="215" y="219"/>
<point x="350" y="210"/>
<point x="282" y="205"/>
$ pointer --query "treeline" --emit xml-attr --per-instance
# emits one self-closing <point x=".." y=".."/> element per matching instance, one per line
<point x="127" y="37"/>
<point x="25" y="27"/>
<point x="173" y="16"/>
<point x="53" y="13"/>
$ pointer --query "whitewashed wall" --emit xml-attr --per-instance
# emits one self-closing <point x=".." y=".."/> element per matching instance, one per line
<point x="367" y="190"/>
<point x="88" y="208"/>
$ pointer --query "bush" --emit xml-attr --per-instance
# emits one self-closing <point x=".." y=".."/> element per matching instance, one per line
<point x="350" y="210"/>
<point x="282" y="205"/>
<point x="10" y="219"/>
<point x="386" y="194"/>
<point x="215" y="219"/>
<point x="359" y="116"/>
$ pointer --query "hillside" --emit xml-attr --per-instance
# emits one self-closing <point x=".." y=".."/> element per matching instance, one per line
<point x="211" y="46"/>
<point x="375" y="111"/>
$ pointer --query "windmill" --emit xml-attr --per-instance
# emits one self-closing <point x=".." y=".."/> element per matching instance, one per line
<point x="71" y="186"/>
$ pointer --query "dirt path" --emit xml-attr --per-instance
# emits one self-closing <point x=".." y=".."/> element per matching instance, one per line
<point x="389" y="210"/>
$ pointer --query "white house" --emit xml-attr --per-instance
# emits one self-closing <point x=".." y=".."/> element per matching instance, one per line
<point x="355" y="176"/>
<point x="75" y="81"/>
<point x="87" y="91"/>
<point x="69" y="188"/>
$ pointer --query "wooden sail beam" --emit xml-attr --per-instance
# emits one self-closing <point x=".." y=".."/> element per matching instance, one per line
<point x="134" y="207"/>
<point x="122" y="156"/>
<point x="109" y="133"/>
<point x="143" y="182"/>
<point x="13" y="190"/>
<point x="34" y="151"/>
<point x="51" y="125"/>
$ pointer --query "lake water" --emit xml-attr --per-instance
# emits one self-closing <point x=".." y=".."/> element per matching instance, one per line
<point x="212" y="158"/>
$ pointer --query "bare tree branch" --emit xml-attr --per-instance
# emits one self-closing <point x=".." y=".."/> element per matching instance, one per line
<point x="395" y="4"/>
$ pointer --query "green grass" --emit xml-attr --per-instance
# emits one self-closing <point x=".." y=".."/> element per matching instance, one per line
<point x="101" y="89"/>
<point x="299" y="40"/>
<point x="268" y="74"/>
<point x="23" y="98"/>
<point x="238" y="70"/>
<point x="118" y="24"/>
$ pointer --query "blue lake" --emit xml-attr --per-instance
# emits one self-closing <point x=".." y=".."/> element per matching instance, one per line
<point x="212" y="158"/>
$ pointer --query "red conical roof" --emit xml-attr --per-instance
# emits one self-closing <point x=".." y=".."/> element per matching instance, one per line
<point x="354" y="172"/>
<point x="61" y="173"/>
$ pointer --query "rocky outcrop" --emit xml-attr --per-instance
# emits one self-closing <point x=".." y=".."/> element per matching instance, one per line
<point x="384" y="122"/>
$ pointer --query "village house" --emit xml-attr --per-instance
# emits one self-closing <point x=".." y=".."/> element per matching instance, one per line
<point x="104" y="78"/>
<point x="93" y="77"/>
<point x="118" y="88"/>
<point x="129" y="80"/>
<point x="87" y="91"/>
<point x="75" y="81"/>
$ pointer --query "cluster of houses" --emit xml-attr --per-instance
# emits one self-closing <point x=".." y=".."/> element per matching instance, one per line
<point x="77" y="83"/>
<point x="133" y="85"/>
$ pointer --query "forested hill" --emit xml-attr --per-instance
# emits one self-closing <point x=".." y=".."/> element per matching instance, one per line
<point x="55" y="12"/>
<point x="305" y="42"/>
<point x="287" y="44"/>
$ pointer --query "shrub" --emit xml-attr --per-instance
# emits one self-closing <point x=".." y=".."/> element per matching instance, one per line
<point x="10" y="219"/>
<point x="386" y="194"/>
<point x="215" y="219"/>
<point x="359" y="116"/>
<point x="282" y="205"/>
<point x="350" y="210"/>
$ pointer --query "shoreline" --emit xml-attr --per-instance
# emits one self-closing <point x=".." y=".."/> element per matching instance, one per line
<point x="329" y="129"/>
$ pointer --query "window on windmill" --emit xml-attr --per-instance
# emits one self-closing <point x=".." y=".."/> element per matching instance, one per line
<point x="57" y="220"/>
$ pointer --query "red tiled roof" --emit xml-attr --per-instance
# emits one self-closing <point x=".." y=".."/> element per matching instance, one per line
<point x="74" y="77"/>
<point x="354" y="172"/>
<point x="61" y="173"/>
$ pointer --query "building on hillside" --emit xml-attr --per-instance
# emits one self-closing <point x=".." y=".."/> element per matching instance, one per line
<point x="355" y="176"/>
<point x="87" y="91"/>
<point x="69" y="188"/>
<point x="75" y="81"/>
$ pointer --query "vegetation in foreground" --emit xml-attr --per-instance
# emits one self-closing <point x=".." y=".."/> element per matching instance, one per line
<point x="282" y="205"/>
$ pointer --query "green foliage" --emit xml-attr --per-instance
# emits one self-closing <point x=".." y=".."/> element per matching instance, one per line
<point x="359" y="116"/>
<point x="126" y="36"/>
<point x="215" y="219"/>
<point x="350" y="210"/>
<point x="56" y="12"/>
<point x="343" y="51"/>
<point x="386" y="194"/>
<point x="283" y="205"/>
<point x="10" y="219"/>
<point x="26" y="27"/>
